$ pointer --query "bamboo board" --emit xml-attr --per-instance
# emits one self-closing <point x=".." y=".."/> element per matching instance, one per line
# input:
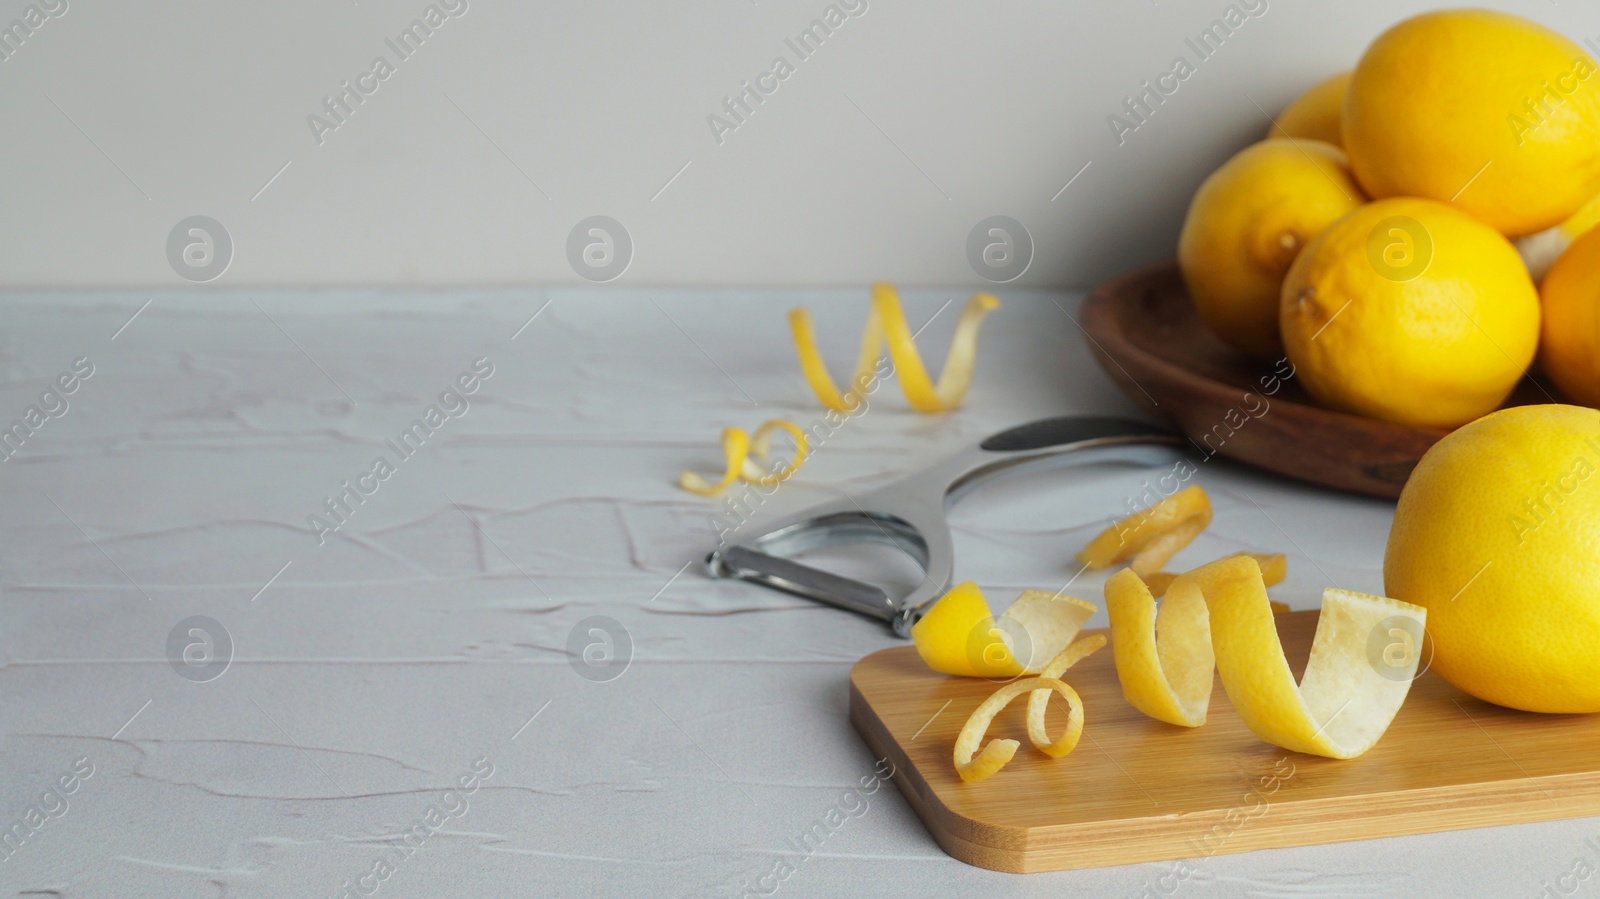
<point x="1138" y="790"/>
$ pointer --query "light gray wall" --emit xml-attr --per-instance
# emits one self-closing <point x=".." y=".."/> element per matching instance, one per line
<point x="472" y="163"/>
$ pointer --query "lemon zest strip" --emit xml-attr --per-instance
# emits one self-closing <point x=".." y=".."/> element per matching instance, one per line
<point x="1168" y="678"/>
<point x="998" y="752"/>
<point x="1343" y="703"/>
<point x="1217" y="617"/>
<point x="1274" y="568"/>
<point x="761" y="448"/>
<point x="737" y="447"/>
<point x="1039" y="699"/>
<point x="1152" y="536"/>
<point x="959" y="634"/>
<point x="886" y="323"/>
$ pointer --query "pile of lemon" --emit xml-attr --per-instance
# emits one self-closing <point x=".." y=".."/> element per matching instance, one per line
<point x="1389" y="234"/>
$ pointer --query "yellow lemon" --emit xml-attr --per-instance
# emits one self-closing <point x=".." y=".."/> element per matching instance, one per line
<point x="1482" y="109"/>
<point x="1571" y="329"/>
<point x="1495" y="535"/>
<point x="1317" y="114"/>
<point x="1410" y="311"/>
<point x="1245" y="226"/>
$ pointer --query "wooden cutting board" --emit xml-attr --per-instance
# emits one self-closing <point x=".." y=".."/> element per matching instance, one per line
<point x="1138" y="790"/>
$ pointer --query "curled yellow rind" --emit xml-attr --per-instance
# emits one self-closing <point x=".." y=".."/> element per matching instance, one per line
<point x="1038" y="700"/>
<point x="1050" y="622"/>
<point x="1150" y="537"/>
<point x="959" y="635"/>
<point x="815" y="370"/>
<point x="999" y="751"/>
<point x="761" y="448"/>
<point x="738" y="446"/>
<point x="1158" y="582"/>
<point x="886" y="324"/>
<point x="1164" y="660"/>
<point x="1344" y="702"/>
<point x="1274" y="568"/>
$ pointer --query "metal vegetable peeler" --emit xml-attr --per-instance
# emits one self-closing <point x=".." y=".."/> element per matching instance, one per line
<point x="909" y="514"/>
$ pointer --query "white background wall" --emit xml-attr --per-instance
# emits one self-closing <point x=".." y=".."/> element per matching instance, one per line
<point x="471" y="164"/>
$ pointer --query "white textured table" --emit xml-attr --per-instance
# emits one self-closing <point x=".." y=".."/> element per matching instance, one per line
<point x="429" y="636"/>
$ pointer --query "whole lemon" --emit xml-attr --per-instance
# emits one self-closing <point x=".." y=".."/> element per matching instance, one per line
<point x="1495" y="534"/>
<point x="1318" y="114"/>
<point x="1571" y="297"/>
<point x="1410" y="311"/>
<point x="1485" y="110"/>
<point x="1246" y="224"/>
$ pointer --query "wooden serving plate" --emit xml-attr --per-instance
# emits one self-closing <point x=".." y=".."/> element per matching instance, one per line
<point x="1138" y="790"/>
<point x="1143" y="329"/>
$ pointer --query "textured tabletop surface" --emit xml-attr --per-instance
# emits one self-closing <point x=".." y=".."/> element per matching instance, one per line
<point x="401" y="706"/>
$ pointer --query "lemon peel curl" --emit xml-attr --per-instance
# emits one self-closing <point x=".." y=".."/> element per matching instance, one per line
<point x="886" y="324"/>
<point x="1218" y="618"/>
<point x="737" y="449"/>
<point x="1152" y="536"/>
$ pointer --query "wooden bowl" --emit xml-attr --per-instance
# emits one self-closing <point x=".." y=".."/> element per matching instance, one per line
<point x="1144" y="330"/>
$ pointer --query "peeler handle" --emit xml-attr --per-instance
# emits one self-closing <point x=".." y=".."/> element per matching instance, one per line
<point x="803" y="580"/>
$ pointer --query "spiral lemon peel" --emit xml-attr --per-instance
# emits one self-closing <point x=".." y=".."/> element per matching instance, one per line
<point x="1218" y="617"/>
<point x="1274" y="568"/>
<point x="1039" y="699"/>
<point x="1151" y="537"/>
<point x="1343" y="703"/>
<point x="886" y="324"/>
<point x="1168" y="678"/>
<point x="959" y="635"/>
<point x="999" y="752"/>
<point x="737" y="449"/>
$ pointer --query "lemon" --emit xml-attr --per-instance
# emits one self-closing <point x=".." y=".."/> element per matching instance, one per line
<point x="1245" y="226"/>
<point x="1317" y="114"/>
<point x="1571" y="297"/>
<point x="1410" y="311"/>
<point x="1488" y="111"/>
<point x="1495" y="535"/>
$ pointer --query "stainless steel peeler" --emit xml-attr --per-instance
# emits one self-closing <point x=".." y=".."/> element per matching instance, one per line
<point x="909" y="514"/>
